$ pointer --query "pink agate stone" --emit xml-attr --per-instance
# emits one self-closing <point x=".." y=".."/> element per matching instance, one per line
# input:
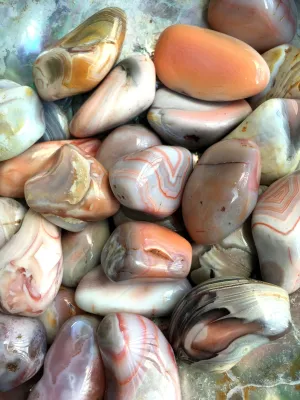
<point x="261" y="24"/>
<point x="139" y="361"/>
<point x="222" y="191"/>
<point x="73" y="366"/>
<point x="152" y="180"/>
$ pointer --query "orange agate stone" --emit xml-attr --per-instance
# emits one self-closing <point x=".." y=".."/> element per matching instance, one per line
<point x="209" y="65"/>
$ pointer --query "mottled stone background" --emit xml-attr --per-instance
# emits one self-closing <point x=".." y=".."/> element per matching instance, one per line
<point x="272" y="372"/>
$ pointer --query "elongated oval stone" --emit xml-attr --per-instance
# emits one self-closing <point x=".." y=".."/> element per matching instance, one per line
<point x="82" y="251"/>
<point x="222" y="191"/>
<point x="208" y="65"/>
<point x="15" y="172"/>
<point x="191" y="123"/>
<point x="275" y="127"/>
<point x="276" y="232"/>
<point x="23" y="348"/>
<point x="283" y="62"/>
<point x="145" y="251"/>
<point x="60" y="310"/>
<point x="11" y="216"/>
<point x="152" y="180"/>
<point x="31" y="267"/>
<point x="97" y="294"/>
<point x="22" y="121"/>
<point x="125" y="140"/>
<point x="127" y="343"/>
<point x="261" y="24"/>
<point x="73" y="366"/>
<point x="126" y="92"/>
<point x="76" y="186"/>
<point x="81" y="59"/>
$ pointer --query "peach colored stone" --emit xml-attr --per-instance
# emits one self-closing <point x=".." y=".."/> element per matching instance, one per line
<point x="208" y="65"/>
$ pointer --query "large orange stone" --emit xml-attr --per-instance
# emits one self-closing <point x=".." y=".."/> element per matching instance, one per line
<point x="209" y="65"/>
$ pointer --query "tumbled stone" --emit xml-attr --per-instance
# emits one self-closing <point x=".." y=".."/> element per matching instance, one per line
<point x="276" y="231"/>
<point x="208" y="65"/>
<point x="283" y="62"/>
<point x="22" y="121"/>
<point x="222" y="190"/>
<point x="275" y="127"/>
<point x="261" y="24"/>
<point x="152" y="180"/>
<point x="126" y="92"/>
<point x="125" y="140"/>
<point x="192" y="123"/>
<point x="81" y="59"/>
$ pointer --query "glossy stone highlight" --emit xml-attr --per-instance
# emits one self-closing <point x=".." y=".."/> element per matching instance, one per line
<point x="261" y="24"/>
<point x="22" y="121"/>
<point x="139" y="362"/>
<point x="152" y="181"/>
<point x="11" y="216"/>
<point x="23" y="347"/>
<point x="82" y="250"/>
<point x="15" y="172"/>
<point x="31" y="267"/>
<point x="73" y="366"/>
<point x="208" y="65"/>
<point x="191" y="123"/>
<point x="62" y="308"/>
<point x="99" y="295"/>
<point x="276" y="230"/>
<point x="125" y="140"/>
<point x="222" y="191"/>
<point x="283" y="62"/>
<point x="126" y="92"/>
<point x="145" y="251"/>
<point x="220" y="321"/>
<point x="275" y="127"/>
<point x="76" y="186"/>
<point x="81" y="59"/>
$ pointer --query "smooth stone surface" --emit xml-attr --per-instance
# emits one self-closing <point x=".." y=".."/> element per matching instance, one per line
<point x="276" y="231"/>
<point x="80" y="60"/>
<point x="145" y="251"/>
<point x="283" y="62"/>
<point x="127" y="91"/>
<point x="125" y="140"/>
<point x="62" y="308"/>
<point x="222" y="190"/>
<point x="31" y="267"/>
<point x="152" y="180"/>
<point x="11" y="216"/>
<point x="23" y="347"/>
<point x="56" y="121"/>
<point x="98" y="295"/>
<point x="174" y="222"/>
<point x="139" y="362"/>
<point x="275" y="127"/>
<point x="82" y="251"/>
<point x="208" y="65"/>
<point x="15" y="172"/>
<point x="191" y="123"/>
<point x="261" y="24"/>
<point x="233" y="256"/>
<point x="76" y="186"/>
<point x="220" y="321"/>
<point x="73" y="366"/>
<point x="22" y="121"/>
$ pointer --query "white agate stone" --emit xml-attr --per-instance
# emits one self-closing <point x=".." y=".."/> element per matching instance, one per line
<point x="21" y="119"/>
<point x="96" y="294"/>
